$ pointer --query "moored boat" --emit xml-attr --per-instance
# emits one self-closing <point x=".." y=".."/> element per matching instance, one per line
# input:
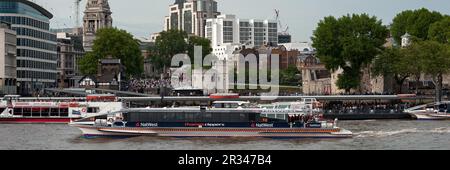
<point x="203" y="122"/>
<point x="432" y="111"/>
<point x="13" y="110"/>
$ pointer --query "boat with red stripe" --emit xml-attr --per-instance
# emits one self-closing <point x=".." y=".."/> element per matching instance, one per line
<point x="207" y="122"/>
<point x="14" y="110"/>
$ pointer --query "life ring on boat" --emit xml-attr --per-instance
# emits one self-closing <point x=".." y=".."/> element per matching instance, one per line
<point x="83" y="110"/>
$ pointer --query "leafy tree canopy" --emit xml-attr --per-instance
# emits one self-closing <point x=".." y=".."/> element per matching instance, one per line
<point x="415" y="22"/>
<point x="117" y="44"/>
<point x="168" y="44"/>
<point x="349" y="42"/>
<point x="173" y="42"/>
<point x="290" y="76"/>
<point x="440" y="31"/>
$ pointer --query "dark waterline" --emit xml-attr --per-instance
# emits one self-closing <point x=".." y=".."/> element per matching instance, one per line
<point x="379" y="134"/>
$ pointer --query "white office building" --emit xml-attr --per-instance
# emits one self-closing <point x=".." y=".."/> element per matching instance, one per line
<point x="8" y="66"/>
<point x="227" y="29"/>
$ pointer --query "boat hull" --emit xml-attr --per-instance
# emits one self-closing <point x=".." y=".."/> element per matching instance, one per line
<point x="35" y="120"/>
<point x="90" y="131"/>
<point x="423" y="116"/>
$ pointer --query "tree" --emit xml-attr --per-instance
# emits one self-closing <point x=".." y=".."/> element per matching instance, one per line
<point x="289" y="76"/>
<point x="417" y="23"/>
<point x="199" y="41"/>
<point x="392" y="62"/>
<point x="436" y="62"/>
<point x="117" y="44"/>
<point x="440" y="31"/>
<point x="167" y="45"/>
<point x="349" y="43"/>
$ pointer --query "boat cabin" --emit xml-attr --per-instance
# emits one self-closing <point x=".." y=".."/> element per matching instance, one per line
<point x="190" y="115"/>
<point x="231" y="104"/>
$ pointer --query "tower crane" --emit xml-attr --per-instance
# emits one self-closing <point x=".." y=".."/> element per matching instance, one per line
<point x="77" y="12"/>
<point x="283" y="30"/>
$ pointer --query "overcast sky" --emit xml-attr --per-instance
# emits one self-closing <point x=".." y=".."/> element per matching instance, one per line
<point x="143" y="17"/>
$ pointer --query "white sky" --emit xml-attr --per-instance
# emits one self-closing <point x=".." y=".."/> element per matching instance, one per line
<point x="143" y="17"/>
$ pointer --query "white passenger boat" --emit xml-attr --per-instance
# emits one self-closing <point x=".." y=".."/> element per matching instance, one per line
<point x="14" y="110"/>
<point x="432" y="111"/>
<point x="205" y="122"/>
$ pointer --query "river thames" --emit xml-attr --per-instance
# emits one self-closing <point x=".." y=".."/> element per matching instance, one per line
<point x="368" y="135"/>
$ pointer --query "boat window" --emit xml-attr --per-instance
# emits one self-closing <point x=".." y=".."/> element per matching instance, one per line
<point x="224" y="117"/>
<point x="119" y="124"/>
<point x="45" y="112"/>
<point x="27" y="112"/>
<point x="64" y="112"/>
<point x="17" y="111"/>
<point x="131" y="117"/>
<point x="93" y="109"/>
<point x="125" y="116"/>
<point x="280" y="116"/>
<point x="243" y="117"/>
<point x="154" y="117"/>
<point x="36" y="112"/>
<point x="208" y="117"/>
<point x="179" y="117"/>
<point x="253" y="117"/>
<point x="189" y="117"/>
<point x="54" y="112"/>
<point x="198" y="117"/>
<point x="234" y="117"/>
<point x="218" y="105"/>
<point x="170" y="117"/>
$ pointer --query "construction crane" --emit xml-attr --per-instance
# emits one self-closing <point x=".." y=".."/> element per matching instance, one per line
<point x="77" y="12"/>
<point x="283" y="30"/>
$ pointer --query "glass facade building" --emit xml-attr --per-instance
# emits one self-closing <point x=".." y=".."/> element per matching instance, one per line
<point x="36" y="44"/>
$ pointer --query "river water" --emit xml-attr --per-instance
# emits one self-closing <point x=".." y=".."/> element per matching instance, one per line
<point x="372" y="134"/>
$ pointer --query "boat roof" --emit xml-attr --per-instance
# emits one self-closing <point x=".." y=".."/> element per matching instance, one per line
<point x="188" y="110"/>
<point x="231" y="102"/>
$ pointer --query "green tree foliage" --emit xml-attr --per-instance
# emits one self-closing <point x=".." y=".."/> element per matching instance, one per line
<point x="199" y="41"/>
<point x="392" y="62"/>
<point x="167" y="45"/>
<point x="436" y="61"/>
<point x="173" y="42"/>
<point x="350" y="43"/>
<point x="350" y="79"/>
<point x="417" y="23"/>
<point x="440" y="31"/>
<point x="290" y="76"/>
<point x="117" y="44"/>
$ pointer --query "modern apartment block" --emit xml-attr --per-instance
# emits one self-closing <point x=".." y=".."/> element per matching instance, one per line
<point x="190" y="16"/>
<point x="227" y="29"/>
<point x="36" y="44"/>
<point x="8" y="74"/>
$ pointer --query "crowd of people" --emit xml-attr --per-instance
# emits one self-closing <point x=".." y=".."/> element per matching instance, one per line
<point x="365" y="107"/>
<point x="142" y="85"/>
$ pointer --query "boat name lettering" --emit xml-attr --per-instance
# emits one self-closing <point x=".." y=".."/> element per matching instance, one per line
<point x="204" y="124"/>
<point x="264" y="125"/>
<point x="214" y="124"/>
<point x="149" y="125"/>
